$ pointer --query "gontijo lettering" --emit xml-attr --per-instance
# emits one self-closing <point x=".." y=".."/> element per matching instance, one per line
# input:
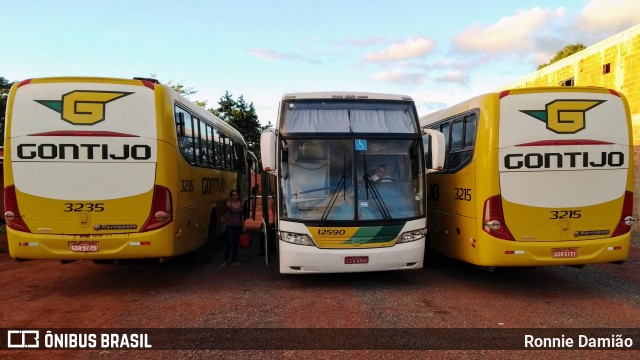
<point x="83" y="152"/>
<point x="565" y="160"/>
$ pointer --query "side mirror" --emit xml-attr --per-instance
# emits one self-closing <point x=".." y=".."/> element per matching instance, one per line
<point x="268" y="150"/>
<point x="437" y="149"/>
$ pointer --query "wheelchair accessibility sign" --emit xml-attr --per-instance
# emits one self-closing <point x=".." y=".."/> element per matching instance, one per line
<point x="361" y="145"/>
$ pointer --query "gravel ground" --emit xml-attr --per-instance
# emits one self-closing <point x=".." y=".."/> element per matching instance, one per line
<point x="181" y="294"/>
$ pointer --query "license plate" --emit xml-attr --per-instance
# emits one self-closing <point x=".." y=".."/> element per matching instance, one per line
<point x="356" y="260"/>
<point x="564" y="253"/>
<point x="83" y="246"/>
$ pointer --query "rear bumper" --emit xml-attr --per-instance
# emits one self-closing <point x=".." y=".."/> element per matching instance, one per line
<point x="495" y="252"/>
<point x="152" y="244"/>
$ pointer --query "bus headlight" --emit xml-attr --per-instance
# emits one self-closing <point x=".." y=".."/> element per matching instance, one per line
<point x="295" y="238"/>
<point x="410" y="236"/>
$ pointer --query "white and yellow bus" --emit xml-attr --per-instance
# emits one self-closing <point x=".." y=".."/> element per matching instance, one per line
<point x="333" y="213"/>
<point x="533" y="176"/>
<point x="104" y="168"/>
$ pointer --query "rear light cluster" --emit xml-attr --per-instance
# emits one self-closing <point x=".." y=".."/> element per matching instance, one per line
<point x="495" y="225"/>
<point x="12" y="213"/>
<point x="161" y="209"/>
<point x="493" y="219"/>
<point x="159" y="216"/>
<point x="626" y="217"/>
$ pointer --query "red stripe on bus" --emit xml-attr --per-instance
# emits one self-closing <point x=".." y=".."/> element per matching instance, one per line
<point x="84" y="133"/>
<point x="565" y="142"/>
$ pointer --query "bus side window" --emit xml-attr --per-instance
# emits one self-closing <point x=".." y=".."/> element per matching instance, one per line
<point x="184" y="130"/>
<point x="240" y="159"/>
<point x="469" y="131"/>
<point x="456" y="154"/>
<point x="230" y="158"/>
<point x="200" y="157"/>
<point x="217" y="149"/>
<point x="209" y="145"/>
<point x="463" y="133"/>
<point x="444" y="129"/>
<point x="179" y="122"/>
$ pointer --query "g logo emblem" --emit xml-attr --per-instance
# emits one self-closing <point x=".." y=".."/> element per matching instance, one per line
<point x="83" y="107"/>
<point x="564" y="116"/>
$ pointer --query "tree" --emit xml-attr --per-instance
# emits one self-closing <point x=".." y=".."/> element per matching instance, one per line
<point x="566" y="51"/>
<point x="5" y="85"/>
<point x="242" y="117"/>
<point x="180" y="88"/>
<point x="237" y="113"/>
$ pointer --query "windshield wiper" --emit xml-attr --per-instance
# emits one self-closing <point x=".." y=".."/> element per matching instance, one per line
<point x="334" y="196"/>
<point x="368" y="184"/>
<point x="375" y="194"/>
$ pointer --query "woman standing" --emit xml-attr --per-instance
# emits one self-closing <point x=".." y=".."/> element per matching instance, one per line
<point x="235" y="226"/>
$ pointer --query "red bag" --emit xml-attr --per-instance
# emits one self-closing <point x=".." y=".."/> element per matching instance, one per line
<point x="245" y="241"/>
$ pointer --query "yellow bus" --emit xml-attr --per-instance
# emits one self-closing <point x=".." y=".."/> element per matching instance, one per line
<point x="335" y="209"/>
<point x="106" y="169"/>
<point x="533" y="176"/>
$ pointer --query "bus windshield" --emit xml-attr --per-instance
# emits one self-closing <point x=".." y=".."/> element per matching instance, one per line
<point x="349" y="117"/>
<point x="351" y="179"/>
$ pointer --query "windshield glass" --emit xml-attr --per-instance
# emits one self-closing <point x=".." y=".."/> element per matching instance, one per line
<point x="351" y="179"/>
<point x="349" y="117"/>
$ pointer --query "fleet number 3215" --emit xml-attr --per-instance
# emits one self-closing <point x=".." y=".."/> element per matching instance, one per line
<point x="565" y="214"/>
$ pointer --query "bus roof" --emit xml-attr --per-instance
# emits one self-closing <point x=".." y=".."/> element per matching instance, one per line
<point x="538" y="89"/>
<point x="345" y="95"/>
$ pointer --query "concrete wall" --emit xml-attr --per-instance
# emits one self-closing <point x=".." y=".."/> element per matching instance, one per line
<point x="622" y="53"/>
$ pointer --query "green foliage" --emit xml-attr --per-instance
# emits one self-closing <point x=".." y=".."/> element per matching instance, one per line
<point x="5" y="86"/>
<point x="242" y="117"/>
<point x="566" y="51"/>
<point x="237" y="113"/>
<point x="179" y="87"/>
<point x="185" y="91"/>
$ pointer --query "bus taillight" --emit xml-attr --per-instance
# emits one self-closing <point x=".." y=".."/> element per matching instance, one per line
<point x="12" y="213"/>
<point x="493" y="219"/>
<point x="626" y="217"/>
<point x="161" y="209"/>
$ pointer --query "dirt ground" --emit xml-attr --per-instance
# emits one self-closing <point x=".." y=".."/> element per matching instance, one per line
<point x="182" y="294"/>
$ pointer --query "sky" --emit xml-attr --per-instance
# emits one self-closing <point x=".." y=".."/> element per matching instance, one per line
<point x="437" y="52"/>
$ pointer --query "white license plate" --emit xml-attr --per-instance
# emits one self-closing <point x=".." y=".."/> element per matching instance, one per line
<point x="564" y="253"/>
<point x="356" y="260"/>
<point x="83" y="246"/>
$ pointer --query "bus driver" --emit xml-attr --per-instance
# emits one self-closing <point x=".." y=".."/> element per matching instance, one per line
<point x="380" y="176"/>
